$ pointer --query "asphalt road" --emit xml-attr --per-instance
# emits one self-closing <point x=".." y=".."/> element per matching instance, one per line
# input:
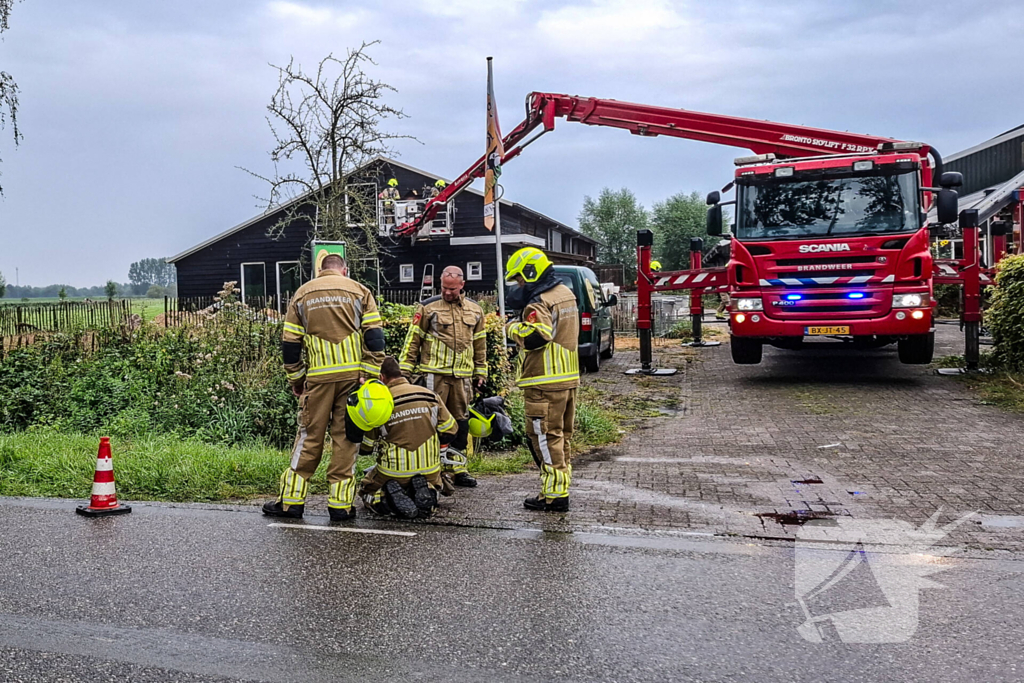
<point x="191" y="594"/>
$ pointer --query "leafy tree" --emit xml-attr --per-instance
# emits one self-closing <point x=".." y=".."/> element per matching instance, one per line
<point x="151" y="271"/>
<point x="613" y="220"/>
<point x="3" y="286"/>
<point x="63" y="293"/>
<point x="8" y="88"/>
<point x="110" y="289"/>
<point x="156" y="292"/>
<point x="326" y="124"/>
<point x="674" y="221"/>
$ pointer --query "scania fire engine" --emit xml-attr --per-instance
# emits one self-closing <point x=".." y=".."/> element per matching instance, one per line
<point x="830" y="236"/>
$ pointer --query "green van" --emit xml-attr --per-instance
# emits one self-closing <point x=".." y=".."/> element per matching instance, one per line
<point x="597" y="334"/>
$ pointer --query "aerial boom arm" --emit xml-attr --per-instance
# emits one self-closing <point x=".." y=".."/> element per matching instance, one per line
<point x="761" y="137"/>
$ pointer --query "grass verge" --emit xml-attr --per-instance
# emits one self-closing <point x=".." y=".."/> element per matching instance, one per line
<point x="44" y="462"/>
<point x="994" y="386"/>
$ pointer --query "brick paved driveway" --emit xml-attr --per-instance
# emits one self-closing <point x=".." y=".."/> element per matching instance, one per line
<point x="754" y="450"/>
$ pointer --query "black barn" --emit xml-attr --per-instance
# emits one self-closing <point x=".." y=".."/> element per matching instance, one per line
<point x="275" y="267"/>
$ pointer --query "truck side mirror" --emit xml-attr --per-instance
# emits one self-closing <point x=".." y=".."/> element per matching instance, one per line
<point x="946" y="206"/>
<point x="714" y="198"/>
<point x="715" y="218"/>
<point x="951" y="179"/>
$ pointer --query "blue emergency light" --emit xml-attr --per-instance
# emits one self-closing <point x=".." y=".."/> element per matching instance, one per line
<point x="855" y="295"/>
<point x="794" y="297"/>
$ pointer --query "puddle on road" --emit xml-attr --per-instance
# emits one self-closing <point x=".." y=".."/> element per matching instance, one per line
<point x="794" y="517"/>
<point x="1002" y="521"/>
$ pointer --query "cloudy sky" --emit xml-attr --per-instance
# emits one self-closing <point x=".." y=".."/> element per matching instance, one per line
<point x="136" y="114"/>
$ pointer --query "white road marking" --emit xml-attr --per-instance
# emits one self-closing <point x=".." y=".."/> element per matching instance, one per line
<point x="351" y="530"/>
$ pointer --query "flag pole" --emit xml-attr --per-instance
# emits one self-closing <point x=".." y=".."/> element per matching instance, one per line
<point x="501" y="262"/>
<point x="492" y="200"/>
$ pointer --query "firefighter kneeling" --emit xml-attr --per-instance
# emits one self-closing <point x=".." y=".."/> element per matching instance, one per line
<point x="407" y="477"/>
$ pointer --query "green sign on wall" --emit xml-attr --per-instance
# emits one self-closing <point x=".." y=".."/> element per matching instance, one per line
<point x="322" y="249"/>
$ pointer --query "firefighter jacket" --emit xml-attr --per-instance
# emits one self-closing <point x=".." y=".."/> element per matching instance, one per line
<point x="446" y="339"/>
<point x="335" y="320"/>
<point x="388" y="194"/>
<point x="548" y="334"/>
<point x="408" y="441"/>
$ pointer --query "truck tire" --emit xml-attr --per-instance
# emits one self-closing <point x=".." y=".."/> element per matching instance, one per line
<point x="917" y="349"/>
<point x="592" y="363"/>
<point x="610" y="351"/>
<point x="745" y="350"/>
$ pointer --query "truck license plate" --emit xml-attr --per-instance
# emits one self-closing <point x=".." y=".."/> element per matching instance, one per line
<point x="844" y="329"/>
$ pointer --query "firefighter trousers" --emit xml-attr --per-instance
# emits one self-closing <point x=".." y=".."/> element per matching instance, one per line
<point x="455" y="393"/>
<point x="322" y="408"/>
<point x="550" y="416"/>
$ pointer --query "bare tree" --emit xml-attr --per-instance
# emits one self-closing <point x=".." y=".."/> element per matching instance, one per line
<point x="326" y="125"/>
<point x="8" y="88"/>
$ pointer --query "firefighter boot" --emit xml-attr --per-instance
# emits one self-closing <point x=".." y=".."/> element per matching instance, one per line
<point x="342" y="514"/>
<point x="274" y="508"/>
<point x="401" y="505"/>
<point x="463" y="479"/>
<point x="423" y="495"/>
<point x="547" y="505"/>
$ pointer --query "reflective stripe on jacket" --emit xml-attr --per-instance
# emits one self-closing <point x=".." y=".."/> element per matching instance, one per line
<point x="554" y="316"/>
<point x="446" y="339"/>
<point x="329" y="315"/>
<point x="408" y="441"/>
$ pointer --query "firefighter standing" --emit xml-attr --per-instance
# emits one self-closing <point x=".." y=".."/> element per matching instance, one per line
<point x="547" y="333"/>
<point x="407" y="476"/>
<point x="388" y="196"/>
<point x="447" y="343"/>
<point x="335" y="319"/>
<point x="436" y="189"/>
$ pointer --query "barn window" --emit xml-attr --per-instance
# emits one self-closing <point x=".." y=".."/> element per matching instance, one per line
<point x="406" y="272"/>
<point x="474" y="270"/>
<point x="254" y="281"/>
<point x="556" y="240"/>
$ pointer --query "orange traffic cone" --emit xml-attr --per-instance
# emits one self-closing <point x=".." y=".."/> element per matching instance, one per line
<point x="104" y="497"/>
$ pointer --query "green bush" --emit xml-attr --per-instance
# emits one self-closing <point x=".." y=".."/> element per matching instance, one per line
<point x="1006" y="313"/>
<point x="222" y="383"/>
<point x="682" y="329"/>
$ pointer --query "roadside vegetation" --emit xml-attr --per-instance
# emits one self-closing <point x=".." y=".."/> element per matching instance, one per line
<point x="1001" y="381"/>
<point x="203" y="412"/>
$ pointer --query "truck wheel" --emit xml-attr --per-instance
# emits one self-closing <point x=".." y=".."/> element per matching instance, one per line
<point x="917" y="349"/>
<point x="610" y="351"/>
<point x="592" y="363"/>
<point x="745" y="350"/>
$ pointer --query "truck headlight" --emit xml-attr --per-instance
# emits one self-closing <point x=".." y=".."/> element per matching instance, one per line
<point x="909" y="300"/>
<point x="749" y="303"/>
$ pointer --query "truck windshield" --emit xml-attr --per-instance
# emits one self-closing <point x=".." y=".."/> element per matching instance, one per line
<point x="827" y="204"/>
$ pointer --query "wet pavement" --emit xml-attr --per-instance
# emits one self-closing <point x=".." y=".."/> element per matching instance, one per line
<point x="748" y="450"/>
<point x="681" y="559"/>
<point x="195" y="594"/>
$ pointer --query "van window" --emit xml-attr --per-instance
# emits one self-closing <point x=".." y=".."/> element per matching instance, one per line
<point x="568" y="281"/>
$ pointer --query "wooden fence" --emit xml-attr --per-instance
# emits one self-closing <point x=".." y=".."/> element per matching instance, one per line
<point x="20" y="319"/>
<point x="410" y="297"/>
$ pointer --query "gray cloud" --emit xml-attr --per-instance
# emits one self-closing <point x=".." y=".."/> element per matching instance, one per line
<point x="136" y="114"/>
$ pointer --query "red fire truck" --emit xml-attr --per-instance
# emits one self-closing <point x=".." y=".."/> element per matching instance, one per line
<point x="830" y="235"/>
